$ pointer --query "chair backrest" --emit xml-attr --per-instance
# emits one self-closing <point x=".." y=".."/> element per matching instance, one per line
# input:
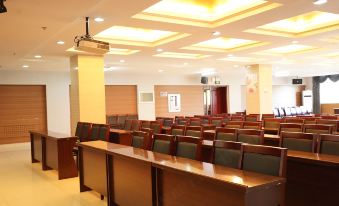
<point x="328" y="144"/>
<point x="293" y="111"/>
<point x="310" y="120"/>
<point x="298" y="141"/>
<point x="95" y="131"/>
<point x="217" y="121"/>
<point x="227" y="153"/>
<point x="78" y="129"/>
<point x="85" y="131"/>
<point x="140" y="139"/>
<point x="104" y="132"/>
<point x="328" y="117"/>
<point x="265" y="116"/>
<point x="251" y="136"/>
<point x="121" y="119"/>
<point x="281" y="112"/>
<point x="195" y="121"/>
<point x="178" y="130"/>
<point x="156" y="126"/>
<point x="182" y="121"/>
<point x="168" y="122"/>
<point x="235" y="124"/>
<point x="318" y="128"/>
<point x="252" y="125"/>
<point x="128" y="124"/>
<point x="332" y="122"/>
<point x="294" y="120"/>
<point x="264" y="159"/>
<point x="287" y="111"/>
<point x="271" y="124"/>
<point x="132" y="116"/>
<point x="163" y="143"/>
<point x="194" y="131"/>
<point x="237" y="118"/>
<point x="252" y="118"/>
<point x="226" y="134"/>
<point x="298" y="109"/>
<point x="136" y="125"/>
<point x="275" y="114"/>
<point x="145" y="124"/>
<point x="188" y="147"/>
<point x="290" y="127"/>
<point x="112" y="119"/>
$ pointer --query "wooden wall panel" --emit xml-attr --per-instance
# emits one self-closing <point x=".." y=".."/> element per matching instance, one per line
<point x="22" y="108"/>
<point x="328" y="108"/>
<point x="121" y="99"/>
<point x="192" y="100"/>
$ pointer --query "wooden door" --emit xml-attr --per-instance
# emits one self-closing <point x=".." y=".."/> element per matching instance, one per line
<point x="22" y="108"/>
<point x="219" y="100"/>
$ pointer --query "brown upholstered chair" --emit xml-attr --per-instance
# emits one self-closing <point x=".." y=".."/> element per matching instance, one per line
<point x="235" y="124"/>
<point x="271" y="126"/>
<point x="252" y="125"/>
<point x="332" y="122"/>
<point x="163" y="143"/>
<point x="178" y="130"/>
<point x="156" y="126"/>
<point x="264" y="159"/>
<point x="94" y="132"/>
<point x="85" y="131"/>
<point x="217" y="121"/>
<point x="195" y="121"/>
<point x="145" y="124"/>
<point x="193" y="131"/>
<point x="237" y="118"/>
<point x="252" y="118"/>
<point x="136" y="125"/>
<point x="294" y="120"/>
<point x="266" y="116"/>
<point x="290" y="127"/>
<point x="128" y="124"/>
<point x="250" y="136"/>
<point x="227" y="153"/>
<point x="328" y="144"/>
<point x="104" y="132"/>
<point x="141" y="139"/>
<point x="299" y="141"/>
<point x="226" y="134"/>
<point x="188" y="147"/>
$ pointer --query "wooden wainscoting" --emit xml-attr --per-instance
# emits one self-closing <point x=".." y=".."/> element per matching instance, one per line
<point x="328" y="108"/>
<point x="22" y="108"/>
<point x="121" y="99"/>
<point x="192" y="100"/>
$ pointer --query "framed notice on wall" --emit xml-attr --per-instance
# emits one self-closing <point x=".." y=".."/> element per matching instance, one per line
<point x="174" y="104"/>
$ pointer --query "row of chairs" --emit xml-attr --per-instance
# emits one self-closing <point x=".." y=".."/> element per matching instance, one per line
<point x="86" y="131"/>
<point x="255" y="158"/>
<point x="291" y="111"/>
<point x="118" y="121"/>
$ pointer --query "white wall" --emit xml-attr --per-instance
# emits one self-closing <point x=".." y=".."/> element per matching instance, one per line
<point x="57" y="94"/>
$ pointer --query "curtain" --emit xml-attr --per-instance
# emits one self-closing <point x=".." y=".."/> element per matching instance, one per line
<point x="316" y="90"/>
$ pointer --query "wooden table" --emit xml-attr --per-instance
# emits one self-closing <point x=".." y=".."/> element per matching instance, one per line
<point x="55" y="151"/>
<point x="131" y="176"/>
<point x="312" y="179"/>
<point x="119" y="136"/>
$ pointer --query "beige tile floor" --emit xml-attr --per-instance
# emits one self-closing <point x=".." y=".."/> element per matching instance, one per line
<point x="24" y="183"/>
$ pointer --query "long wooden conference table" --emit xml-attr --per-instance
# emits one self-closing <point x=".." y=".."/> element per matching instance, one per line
<point x="54" y="151"/>
<point x="131" y="176"/>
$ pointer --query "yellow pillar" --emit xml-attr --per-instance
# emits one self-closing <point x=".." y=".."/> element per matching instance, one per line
<point x="259" y="89"/>
<point x="87" y="91"/>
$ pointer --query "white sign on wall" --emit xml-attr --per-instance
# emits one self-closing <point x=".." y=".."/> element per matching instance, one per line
<point x="174" y="104"/>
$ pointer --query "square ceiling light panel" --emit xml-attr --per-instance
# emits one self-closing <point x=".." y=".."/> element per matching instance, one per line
<point x="138" y="36"/>
<point x="287" y="50"/>
<point x="204" y="13"/>
<point x="225" y="45"/>
<point x="299" y="26"/>
<point x="334" y="55"/>
<point x="181" y="55"/>
<point x="243" y="59"/>
<point x="115" y="51"/>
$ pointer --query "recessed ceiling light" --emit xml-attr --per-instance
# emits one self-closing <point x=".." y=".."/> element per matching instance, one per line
<point x="60" y="42"/>
<point x="230" y="55"/>
<point x="25" y="66"/>
<point x="122" y="61"/>
<point x="160" y="70"/>
<point x="99" y="19"/>
<point x="185" y="63"/>
<point x="295" y="42"/>
<point x="38" y="56"/>
<point x="160" y="50"/>
<point x="236" y="66"/>
<point x="319" y="2"/>
<point x="216" y="33"/>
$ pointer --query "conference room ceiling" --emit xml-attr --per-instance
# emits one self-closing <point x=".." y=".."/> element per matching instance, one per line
<point x="176" y="36"/>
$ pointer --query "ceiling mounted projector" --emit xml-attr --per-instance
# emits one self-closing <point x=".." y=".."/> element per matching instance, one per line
<point x="3" y="9"/>
<point x="86" y="43"/>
